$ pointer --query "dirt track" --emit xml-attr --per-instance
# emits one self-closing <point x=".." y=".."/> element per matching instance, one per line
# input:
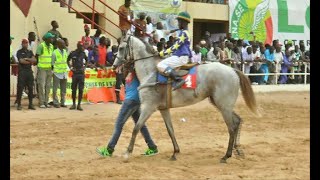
<point x="60" y="144"/>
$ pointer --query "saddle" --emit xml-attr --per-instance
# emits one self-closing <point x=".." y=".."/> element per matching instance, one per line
<point x="182" y="71"/>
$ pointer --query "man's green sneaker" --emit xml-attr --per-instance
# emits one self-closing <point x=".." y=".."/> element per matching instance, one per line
<point x="150" y="152"/>
<point x="104" y="151"/>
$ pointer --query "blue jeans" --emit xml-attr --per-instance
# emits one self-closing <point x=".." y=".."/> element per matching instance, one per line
<point x="129" y="108"/>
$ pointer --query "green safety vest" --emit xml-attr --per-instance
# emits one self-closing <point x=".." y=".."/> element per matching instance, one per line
<point x="45" y="57"/>
<point x="60" y="65"/>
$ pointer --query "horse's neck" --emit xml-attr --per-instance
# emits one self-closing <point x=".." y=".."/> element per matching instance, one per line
<point x="145" y="69"/>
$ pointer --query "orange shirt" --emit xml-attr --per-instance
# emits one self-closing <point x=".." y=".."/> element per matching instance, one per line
<point x="102" y="51"/>
<point x="124" y="25"/>
<point x="142" y="24"/>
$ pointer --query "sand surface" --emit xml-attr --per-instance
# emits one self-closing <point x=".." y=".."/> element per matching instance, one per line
<point x="60" y="144"/>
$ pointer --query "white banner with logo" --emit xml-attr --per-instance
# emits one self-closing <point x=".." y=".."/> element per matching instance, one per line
<point x="270" y="19"/>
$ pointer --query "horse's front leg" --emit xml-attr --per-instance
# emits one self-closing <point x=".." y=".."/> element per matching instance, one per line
<point x="167" y="119"/>
<point x="146" y="112"/>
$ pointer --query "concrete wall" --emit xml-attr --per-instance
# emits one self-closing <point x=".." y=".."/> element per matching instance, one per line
<point x="44" y="11"/>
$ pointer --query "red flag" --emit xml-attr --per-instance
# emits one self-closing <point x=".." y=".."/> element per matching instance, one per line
<point x="24" y="6"/>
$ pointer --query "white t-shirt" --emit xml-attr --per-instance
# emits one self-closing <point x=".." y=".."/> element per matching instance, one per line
<point x="161" y="33"/>
<point x="149" y="28"/>
<point x="278" y="57"/>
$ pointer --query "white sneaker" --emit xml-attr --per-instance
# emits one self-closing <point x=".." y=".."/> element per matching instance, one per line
<point x="24" y="95"/>
<point x="254" y="83"/>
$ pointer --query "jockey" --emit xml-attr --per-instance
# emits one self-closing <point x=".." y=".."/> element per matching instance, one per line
<point x="180" y="51"/>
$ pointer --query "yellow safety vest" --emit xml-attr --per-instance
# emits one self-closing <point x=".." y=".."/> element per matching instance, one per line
<point x="60" y="65"/>
<point x="45" y="57"/>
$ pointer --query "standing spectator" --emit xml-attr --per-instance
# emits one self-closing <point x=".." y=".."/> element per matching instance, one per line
<point x="102" y="51"/>
<point x="96" y="37"/>
<point x="214" y="55"/>
<point x="44" y="75"/>
<point x="160" y="46"/>
<point x="111" y="56"/>
<point x="25" y="76"/>
<point x="149" y="29"/>
<point x="237" y="58"/>
<point x="170" y="41"/>
<point x="78" y="68"/>
<point x="269" y="56"/>
<point x="196" y="55"/>
<point x="86" y="40"/>
<point x="60" y="73"/>
<point x="285" y="67"/>
<point x="125" y="17"/>
<point x="66" y="44"/>
<point x="159" y="32"/>
<point x="206" y="37"/>
<point x="119" y="80"/>
<point x="228" y="56"/>
<point x="278" y="59"/>
<point x="203" y="50"/>
<point x="93" y="56"/>
<point x="255" y="68"/>
<point x="247" y="58"/>
<point x="55" y="32"/>
<point x="141" y="25"/>
<point x="12" y="61"/>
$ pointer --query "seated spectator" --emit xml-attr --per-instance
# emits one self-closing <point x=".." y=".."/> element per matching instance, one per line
<point x="196" y="55"/>
<point x="160" y="46"/>
<point x="149" y="29"/>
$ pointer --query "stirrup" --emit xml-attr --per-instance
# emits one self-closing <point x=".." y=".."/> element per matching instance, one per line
<point x="178" y="85"/>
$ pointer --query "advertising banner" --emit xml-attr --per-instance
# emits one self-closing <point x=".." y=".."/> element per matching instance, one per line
<point x="270" y="19"/>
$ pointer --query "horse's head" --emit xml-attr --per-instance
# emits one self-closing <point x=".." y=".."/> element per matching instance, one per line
<point x="123" y="55"/>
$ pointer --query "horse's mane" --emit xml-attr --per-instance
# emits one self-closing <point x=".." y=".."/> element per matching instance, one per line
<point x="148" y="47"/>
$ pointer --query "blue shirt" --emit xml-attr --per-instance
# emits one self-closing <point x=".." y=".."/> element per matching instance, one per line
<point x="268" y="55"/>
<point x="181" y="47"/>
<point x="132" y="84"/>
<point x="93" y="56"/>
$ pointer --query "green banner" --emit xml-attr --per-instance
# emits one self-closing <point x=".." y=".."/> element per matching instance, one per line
<point x="93" y="79"/>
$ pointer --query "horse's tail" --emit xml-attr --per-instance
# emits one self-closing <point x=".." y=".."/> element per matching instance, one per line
<point x="247" y="92"/>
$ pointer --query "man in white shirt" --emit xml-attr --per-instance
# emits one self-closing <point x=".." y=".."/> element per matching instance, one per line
<point x="247" y="58"/>
<point x="278" y="59"/>
<point x="162" y="33"/>
<point x="149" y="29"/>
<point x="196" y="55"/>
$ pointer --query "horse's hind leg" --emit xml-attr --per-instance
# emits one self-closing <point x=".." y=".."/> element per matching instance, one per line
<point x="146" y="111"/>
<point x="167" y="119"/>
<point x="232" y="124"/>
<point x="236" y="119"/>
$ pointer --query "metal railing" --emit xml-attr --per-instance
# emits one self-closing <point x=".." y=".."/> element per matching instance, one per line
<point x="277" y="73"/>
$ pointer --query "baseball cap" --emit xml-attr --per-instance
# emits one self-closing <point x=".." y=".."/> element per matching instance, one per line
<point x="246" y="42"/>
<point x="11" y="37"/>
<point x="48" y="35"/>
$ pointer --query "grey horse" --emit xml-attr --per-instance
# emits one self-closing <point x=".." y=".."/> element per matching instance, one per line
<point x="215" y="81"/>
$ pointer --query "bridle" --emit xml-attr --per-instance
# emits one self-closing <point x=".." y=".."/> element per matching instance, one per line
<point x="128" y="51"/>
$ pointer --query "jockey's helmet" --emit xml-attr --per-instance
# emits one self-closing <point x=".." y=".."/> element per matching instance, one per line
<point x="184" y="16"/>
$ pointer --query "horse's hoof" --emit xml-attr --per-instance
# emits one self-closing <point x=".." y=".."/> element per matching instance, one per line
<point x="126" y="157"/>
<point x="239" y="153"/>
<point x="173" y="158"/>
<point x="222" y="160"/>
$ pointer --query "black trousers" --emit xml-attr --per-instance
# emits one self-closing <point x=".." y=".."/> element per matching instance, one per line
<point x="77" y="83"/>
<point x="25" y="79"/>
<point x="119" y="80"/>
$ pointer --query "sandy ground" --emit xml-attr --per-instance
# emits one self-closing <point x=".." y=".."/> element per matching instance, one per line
<point x="60" y="144"/>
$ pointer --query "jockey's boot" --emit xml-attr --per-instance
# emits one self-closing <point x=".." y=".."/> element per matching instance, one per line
<point x="173" y="74"/>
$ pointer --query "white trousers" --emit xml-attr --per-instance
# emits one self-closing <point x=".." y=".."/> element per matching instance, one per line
<point x="173" y="62"/>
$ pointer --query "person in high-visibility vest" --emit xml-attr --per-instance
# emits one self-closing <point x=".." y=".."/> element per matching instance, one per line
<point x="44" y="76"/>
<point x="60" y="73"/>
